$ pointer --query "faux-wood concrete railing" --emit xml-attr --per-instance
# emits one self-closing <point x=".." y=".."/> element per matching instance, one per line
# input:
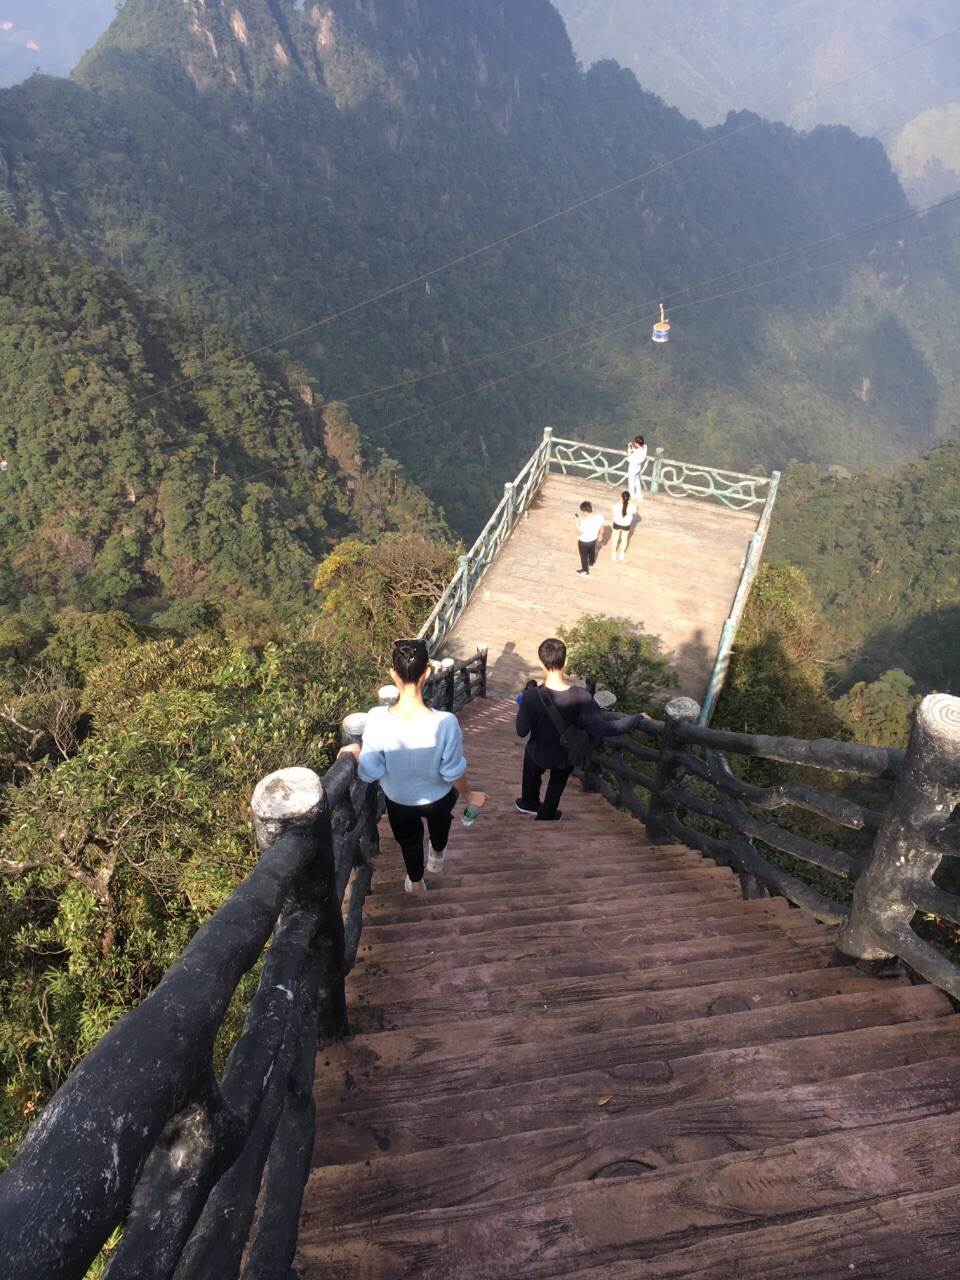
<point x="920" y="826"/>
<point x="143" y="1133"/>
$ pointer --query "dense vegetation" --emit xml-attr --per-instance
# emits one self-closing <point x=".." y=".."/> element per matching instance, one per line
<point x="229" y="488"/>
<point x="166" y="634"/>
<point x="880" y="553"/>
<point x="274" y="164"/>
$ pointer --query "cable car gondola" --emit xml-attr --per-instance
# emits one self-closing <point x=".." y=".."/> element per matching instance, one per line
<point x="661" y="330"/>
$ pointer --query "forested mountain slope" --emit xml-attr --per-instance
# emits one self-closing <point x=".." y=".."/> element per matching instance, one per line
<point x="881" y="554"/>
<point x="276" y="164"/>
<point x="773" y="55"/>
<point x="114" y="497"/>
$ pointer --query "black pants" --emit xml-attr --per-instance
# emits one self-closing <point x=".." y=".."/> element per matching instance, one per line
<point x="588" y="553"/>
<point x="406" y="823"/>
<point x="530" y="787"/>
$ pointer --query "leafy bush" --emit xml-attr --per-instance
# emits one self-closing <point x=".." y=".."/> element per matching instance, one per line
<point x="612" y="653"/>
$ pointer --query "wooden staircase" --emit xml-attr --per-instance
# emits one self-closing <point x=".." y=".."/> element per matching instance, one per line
<point x="582" y="1055"/>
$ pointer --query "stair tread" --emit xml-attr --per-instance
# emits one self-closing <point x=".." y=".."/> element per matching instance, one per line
<point x="611" y="1143"/>
<point x="422" y="972"/>
<point x="580" y="994"/>
<point x="500" y="1109"/>
<point x="389" y="1064"/>
<point x="911" y="1237"/>
<point x="552" y="1231"/>
<point x="611" y="1006"/>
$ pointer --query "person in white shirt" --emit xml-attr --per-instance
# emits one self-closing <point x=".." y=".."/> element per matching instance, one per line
<point x="624" y="514"/>
<point x="589" y="530"/>
<point x="636" y="457"/>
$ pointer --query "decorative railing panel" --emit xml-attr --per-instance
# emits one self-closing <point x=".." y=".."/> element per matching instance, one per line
<point x="207" y="1175"/>
<point x="734" y="489"/>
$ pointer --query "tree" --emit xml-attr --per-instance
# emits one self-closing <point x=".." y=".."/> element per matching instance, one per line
<point x="612" y="653"/>
<point x="371" y="593"/>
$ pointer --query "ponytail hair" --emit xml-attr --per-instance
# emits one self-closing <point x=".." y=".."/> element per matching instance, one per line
<point x="625" y="496"/>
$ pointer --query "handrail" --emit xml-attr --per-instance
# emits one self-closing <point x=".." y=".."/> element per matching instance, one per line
<point x="920" y="826"/>
<point x="517" y="496"/>
<point x="729" y="632"/>
<point x="143" y="1133"/>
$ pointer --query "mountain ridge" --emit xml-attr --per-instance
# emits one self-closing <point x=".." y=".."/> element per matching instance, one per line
<point x="275" y="191"/>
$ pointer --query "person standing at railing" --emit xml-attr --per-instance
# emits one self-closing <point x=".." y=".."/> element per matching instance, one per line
<point x="624" y="514"/>
<point x="544" y="751"/>
<point x="636" y="457"/>
<point x="416" y="754"/>
<point x="589" y="531"/>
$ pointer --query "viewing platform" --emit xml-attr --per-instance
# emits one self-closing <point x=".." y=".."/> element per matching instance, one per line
<point x="692" y="555"/>
<point x="677" y="582"/>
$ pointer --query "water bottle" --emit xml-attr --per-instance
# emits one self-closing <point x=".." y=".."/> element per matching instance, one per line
<point x="469" y="815"/>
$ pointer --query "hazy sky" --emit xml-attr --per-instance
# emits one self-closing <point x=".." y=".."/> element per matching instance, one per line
<point x="49" y="34"/>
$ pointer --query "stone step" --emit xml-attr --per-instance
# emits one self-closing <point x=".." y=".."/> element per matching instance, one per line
<point x="620" y="1143"/>
<point x="423" y="970"/>
<point x="389" y="1065"/>
<point x="607" y="1008"/>
<point x="558" y="1230"/>
<point x="497" y="1109"/>
<point x="661" y="989"/>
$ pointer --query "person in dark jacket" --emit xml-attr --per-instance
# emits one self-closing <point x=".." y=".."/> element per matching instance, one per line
<point x="544" y="750"/>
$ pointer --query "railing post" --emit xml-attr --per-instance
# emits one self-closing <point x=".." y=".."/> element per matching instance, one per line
<point x="510" y="503"/>
<point x="678" y="711"/>
<point x="482" y="655"/>
<point x="656" y="473"/>
<point x="449" y="673"/>
<point x="387" y="695"/>
<point x="904" y="855"/>
<point x="291" y="800"/>
<point x="464" y="581"/>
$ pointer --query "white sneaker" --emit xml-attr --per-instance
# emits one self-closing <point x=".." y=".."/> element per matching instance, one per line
<point x="420" y="886"/>
<point x="613" y="555"/>
<point x="621" y="555"/>
<point x="435" y="859"/>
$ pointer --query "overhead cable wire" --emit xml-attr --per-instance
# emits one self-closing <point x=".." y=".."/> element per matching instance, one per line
<point x="837" y="237"/>
<point x="694" y="302"/>
<point x="787" y="255"/>
<point x="552" y="217"/>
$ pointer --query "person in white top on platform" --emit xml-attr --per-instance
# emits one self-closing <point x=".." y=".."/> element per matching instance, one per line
<point x="589" y="531"/>
<point x="624" y="514"/>
<point x="636" y="457"/>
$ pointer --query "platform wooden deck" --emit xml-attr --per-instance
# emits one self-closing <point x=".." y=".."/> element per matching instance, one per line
<point x="677" y="582"/>
<point x="580" y="1055"/>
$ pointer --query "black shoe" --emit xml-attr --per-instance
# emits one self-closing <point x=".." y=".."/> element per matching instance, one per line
<point x="556" y="816"/>
<point x="583" y="573"/>
<point x="522" y="808"/>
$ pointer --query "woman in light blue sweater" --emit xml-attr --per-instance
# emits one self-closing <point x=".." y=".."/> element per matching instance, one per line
<point x="416" y="754"/>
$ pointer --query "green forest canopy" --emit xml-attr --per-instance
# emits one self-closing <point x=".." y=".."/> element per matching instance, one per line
<point x="272" y="164"/>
